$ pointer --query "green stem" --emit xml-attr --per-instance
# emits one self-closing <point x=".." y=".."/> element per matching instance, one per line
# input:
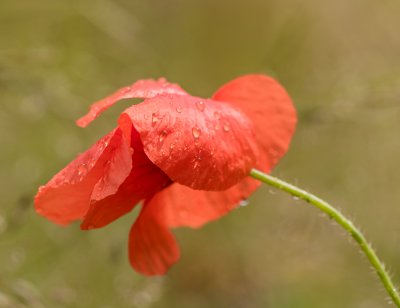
<point x="342" y="221"/>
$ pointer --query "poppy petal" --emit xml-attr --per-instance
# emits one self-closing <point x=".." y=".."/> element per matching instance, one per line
<point x="270" y="109"/>
<point x="66" y="197"/>
<point x="144" y="180"/>
<point x="146" y="88"/>
<point x="152" y="247"/>
<point x="199" y="143"/>
<point x="185" y="207"/>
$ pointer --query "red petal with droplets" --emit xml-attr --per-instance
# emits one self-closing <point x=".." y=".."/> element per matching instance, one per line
<point x="141" y="89"/>
<point x="144" y="180"/>
<point x="67" y="195"/>
<point x="181" y="206"/>
<point x="270" y="109"/>
<point x="152" y="247"/>
<point x="199" y="143"/>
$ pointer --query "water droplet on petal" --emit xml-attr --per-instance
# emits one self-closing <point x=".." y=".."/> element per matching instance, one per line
<point x="162" y="136"/>
<point x="200" y="105"/>
<point x="154" y="118"/>
<point x="217" y="115"/>
<point x="273" y="152"/>
<point x="179" y="109"/>
<point x="82" y="169"/>
<point x="226" y="127"/>
<point x="126" y="90"/>
<point x="172" y="145"/>
<point x="243" y="203"/>
<point x="102" y="145"/>
<point x="196" y="132"/>
<point x="99" y="187"/>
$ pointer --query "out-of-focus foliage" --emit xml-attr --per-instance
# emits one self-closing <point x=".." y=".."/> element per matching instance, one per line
<point x="338" y="59"/>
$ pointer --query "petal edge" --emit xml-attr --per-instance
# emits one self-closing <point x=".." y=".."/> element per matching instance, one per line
<point x="152" y="247"/>
<point x="270" y="109"/>
<point x="145" y="88"/>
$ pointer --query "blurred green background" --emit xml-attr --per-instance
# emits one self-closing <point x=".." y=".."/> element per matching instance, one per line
<point x="339" y="60"/>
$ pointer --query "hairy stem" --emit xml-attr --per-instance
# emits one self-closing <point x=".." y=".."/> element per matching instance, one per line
<point x="342" y="221"/>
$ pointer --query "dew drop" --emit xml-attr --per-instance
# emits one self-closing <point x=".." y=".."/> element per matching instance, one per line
<point x="226" y="127"/>
<point x="99" y="187"/>
<point x="172" y="145"/>
<point x="154" y="118"/>
<point x="82" y="169"/>
<point x="196" y="132"/>
<point x="217" y="115"/>
<point x="126" y="90"/>
<point x="243" y="203"/>
<point x="179" y="109"/>
<point x="200" y="106"/>
<point x="296" y="198"/>
<point x="102" y="145"/>
<point x="162" y="136"/>
<point x="273" y="152"/>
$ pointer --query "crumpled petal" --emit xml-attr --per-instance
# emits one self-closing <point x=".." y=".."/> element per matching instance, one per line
<point x="152" y="247"/>
<point x="181" y="206"/>
<point x="144" y="180"/>
<point x="66" y="197"/>
<point x="270" y="109"/>
<point x="146" y="88"/>
<point x="197" y="142"/>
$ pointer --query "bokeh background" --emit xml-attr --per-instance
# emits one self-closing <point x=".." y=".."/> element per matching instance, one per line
<point x="339" y="60"/>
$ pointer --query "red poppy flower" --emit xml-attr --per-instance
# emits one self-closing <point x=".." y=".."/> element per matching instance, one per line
<point x="186" y="157"/>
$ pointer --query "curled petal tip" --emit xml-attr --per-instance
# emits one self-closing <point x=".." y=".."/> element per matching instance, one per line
<point x="145" y="88"/>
